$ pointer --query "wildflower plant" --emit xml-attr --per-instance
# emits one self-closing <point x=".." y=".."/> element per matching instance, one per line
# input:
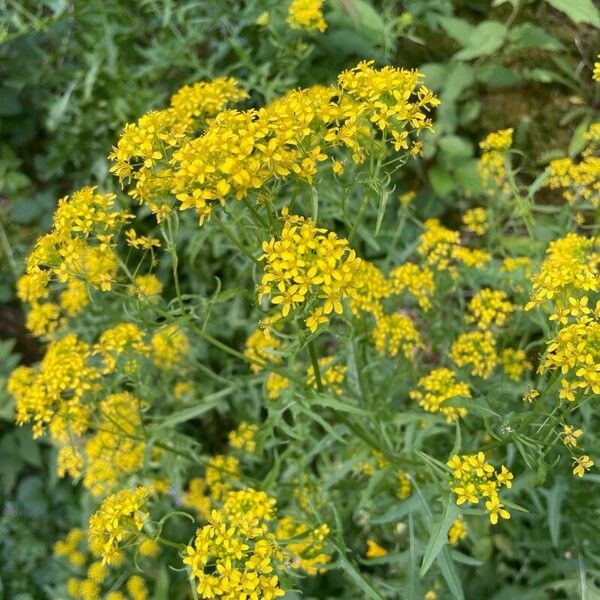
<point x="337" y="392"/>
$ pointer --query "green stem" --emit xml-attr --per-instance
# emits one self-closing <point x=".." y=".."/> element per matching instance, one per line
<point x="8" y="251"/>
<point x="315" y="364"/>
<point x="255" y="214"/>
<point x="235" y="241"/>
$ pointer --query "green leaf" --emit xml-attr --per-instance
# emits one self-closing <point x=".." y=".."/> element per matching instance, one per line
<point x="439" y="536"/>
<point x="449" y="573"/>
<point x="555" y="498"/>
<point x="579" y="11"/>
<point x="441" y="181"/>
<point x="456" y="146"/>
<point x="458" y="29"/>
<point x="187" y="414"/>
<point x="407" y="507"/>
<point x="365" y="17"/>
<point x="9" y="102"/>
<point x="495" y="75"/>
<point x="356" y="576"/>
<point x="528" y="35"/>
<point x="435" y="75"/>
<point x="577" y="143"/>
<point x="457" y="79"/>
<point x="544" y="76"/>
<point x="485" y="39"/>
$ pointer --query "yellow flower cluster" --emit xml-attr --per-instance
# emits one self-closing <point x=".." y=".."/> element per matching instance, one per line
<point x="396" y="333"/>
<point x="144" y="153"/>
<point x="308" y="266"/>
<point x="442" y="250"/>
<point x="332" y="376"/>
<point x="118" y="520"/>
<point x="515" y="363"/>
<point x="241" y="151"/>
<point x="457" y="531"/>
<point x="146" y="287"/>
<point x="477" y="350"/>
<point x="415" y="280"/>
<point x="203" y="492"/>
<point x="88" y="584"/>
<point x="307" y="14"/>
<point x="596" y="73"/>
<point x="304" y="548"/>
<point x="371" y="288"/>
<point x="52" y="392"/>
<point x="79" y="251"/>
<point x="439" y="386"/>
<point x="404" y="485"/>
<point x="492" y="163"/>
<point x="261" y="348"/>
<point x="113" y="451"/>
<point x="568" y="274"/>
<point x="276" y="384"/>
<point x="169" y="346"/>
<point x="580" y="181"/>
<point x="489" y="307"/>
<point x="475" y="220"/>
<point x="235" y="556"/>
<point x="136" y="588"/>
<point x="243" y="438"/>
<point x="570" y="267"/>
<point x="68" y="547"/>
<point x="475" y="479"/>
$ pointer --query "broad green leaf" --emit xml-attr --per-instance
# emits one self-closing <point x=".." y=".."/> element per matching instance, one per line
<point x="441" y="181"/>
<point x="435" y="75"/>
<point x="439" y="535"/>
<point x="468" y="177"/>
<point x="458" y="78"/>
<point x="495" y="75"/>
<point x="579" y="11"/>
<point x="485" y="39"/>
<point x="456" y="146"/>
<point x="528" y="35"/>
<point x="364" y="17"/>
<point x="458" y="29"/>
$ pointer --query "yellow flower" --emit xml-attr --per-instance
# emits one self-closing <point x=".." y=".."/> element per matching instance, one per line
<point x="457" y="531"/>
<point x="571" y="435"/>
<point x="438" y="387"/>
<point x="475" y="220"/>
<point x="476" y="350"/>
<point x="514" y="363"/>
<point x="243" y="438"/>
<point x="374" y="550"/>
<point x="489" y="307"/>
<point x="115" y="522"/>
<point x="474" y="479"/>
<point x="307" y="14"/>
<point x="496" y="509"/>
<point x="305" y="265"/>
<point x="582" y="464"/>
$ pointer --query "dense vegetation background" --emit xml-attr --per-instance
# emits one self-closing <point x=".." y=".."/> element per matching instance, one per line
<point x="73" y="73"/>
